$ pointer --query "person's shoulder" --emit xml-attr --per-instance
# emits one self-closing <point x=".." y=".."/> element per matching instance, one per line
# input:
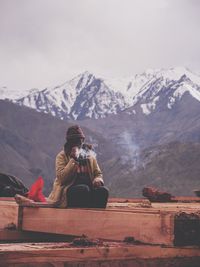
<point x="61" y="157"/>
<point x="61" y="154"/>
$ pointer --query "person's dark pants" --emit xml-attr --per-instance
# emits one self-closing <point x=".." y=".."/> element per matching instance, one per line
<point x="83" y="196"/>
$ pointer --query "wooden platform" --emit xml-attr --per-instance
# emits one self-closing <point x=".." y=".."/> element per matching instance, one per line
<point x="148" y="223"/>
<point x="151" y="227"/>
<point x="105" y="224"/>
<point x="109" y="254"/>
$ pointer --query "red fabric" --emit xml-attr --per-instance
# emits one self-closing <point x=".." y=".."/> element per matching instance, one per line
<point x="35" y="192"/>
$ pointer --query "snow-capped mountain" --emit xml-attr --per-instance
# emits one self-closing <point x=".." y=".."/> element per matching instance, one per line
<point x="129" y="86"/>
<point x="164" y="88"/>
<point x="86" y="96"/>
<point x="147" y="89"/>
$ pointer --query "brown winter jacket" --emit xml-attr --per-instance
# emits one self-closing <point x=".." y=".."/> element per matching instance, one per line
<point x="66" y="175"/>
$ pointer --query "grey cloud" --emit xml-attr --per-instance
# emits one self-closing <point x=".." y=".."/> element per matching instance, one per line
<point x="45" y="42"/>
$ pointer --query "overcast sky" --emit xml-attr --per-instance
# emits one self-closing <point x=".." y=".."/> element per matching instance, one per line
<point x="46" y="42"/>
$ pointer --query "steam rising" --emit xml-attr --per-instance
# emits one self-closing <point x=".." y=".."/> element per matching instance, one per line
<point x="131" y="150"/>
<point x="86" y="153"/>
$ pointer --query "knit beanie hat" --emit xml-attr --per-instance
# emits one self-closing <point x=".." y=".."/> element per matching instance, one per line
<point x="74" y="131"/>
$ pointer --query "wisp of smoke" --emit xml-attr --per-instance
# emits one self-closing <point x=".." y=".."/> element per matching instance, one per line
<point x="131" y="150"/>
<point x="86" y="153"/>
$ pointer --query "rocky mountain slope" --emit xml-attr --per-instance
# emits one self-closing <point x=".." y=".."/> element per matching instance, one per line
<point x="160" y="149"/>
<point x="30" y="141"/>
<point x="173" y="167"/>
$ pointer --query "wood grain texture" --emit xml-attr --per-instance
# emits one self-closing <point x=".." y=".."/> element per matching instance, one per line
<point x="8" y="214"/>
<point x="44" y="253"/>
<point x="155" y="227"/>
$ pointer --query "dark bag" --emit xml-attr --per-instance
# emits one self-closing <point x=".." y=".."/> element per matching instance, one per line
<point x="11" y="185"/>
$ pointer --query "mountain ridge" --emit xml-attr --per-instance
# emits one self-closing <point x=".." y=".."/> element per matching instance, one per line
<point x="86" y="96"/>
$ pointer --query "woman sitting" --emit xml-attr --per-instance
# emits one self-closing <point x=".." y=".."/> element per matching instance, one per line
<point x="79" y="181"/>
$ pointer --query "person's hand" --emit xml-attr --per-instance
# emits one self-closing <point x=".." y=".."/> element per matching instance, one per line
<point x="97" y="183"/>
<point x="74" y="153"/>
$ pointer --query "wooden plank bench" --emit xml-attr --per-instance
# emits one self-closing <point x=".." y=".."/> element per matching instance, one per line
<point x="108" y="254"/>
<point x="152" y="225"/>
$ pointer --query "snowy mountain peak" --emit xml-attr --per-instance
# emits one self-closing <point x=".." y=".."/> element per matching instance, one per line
<point x="86" y="96"/>
<point x="172" y="74"/>
<point x="165" y="87"/>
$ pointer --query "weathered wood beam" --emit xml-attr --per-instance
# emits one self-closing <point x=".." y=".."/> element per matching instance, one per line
<point x="154" y="227"/>
<point x="8" y="214"/>
<point x="56" y="253"/>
